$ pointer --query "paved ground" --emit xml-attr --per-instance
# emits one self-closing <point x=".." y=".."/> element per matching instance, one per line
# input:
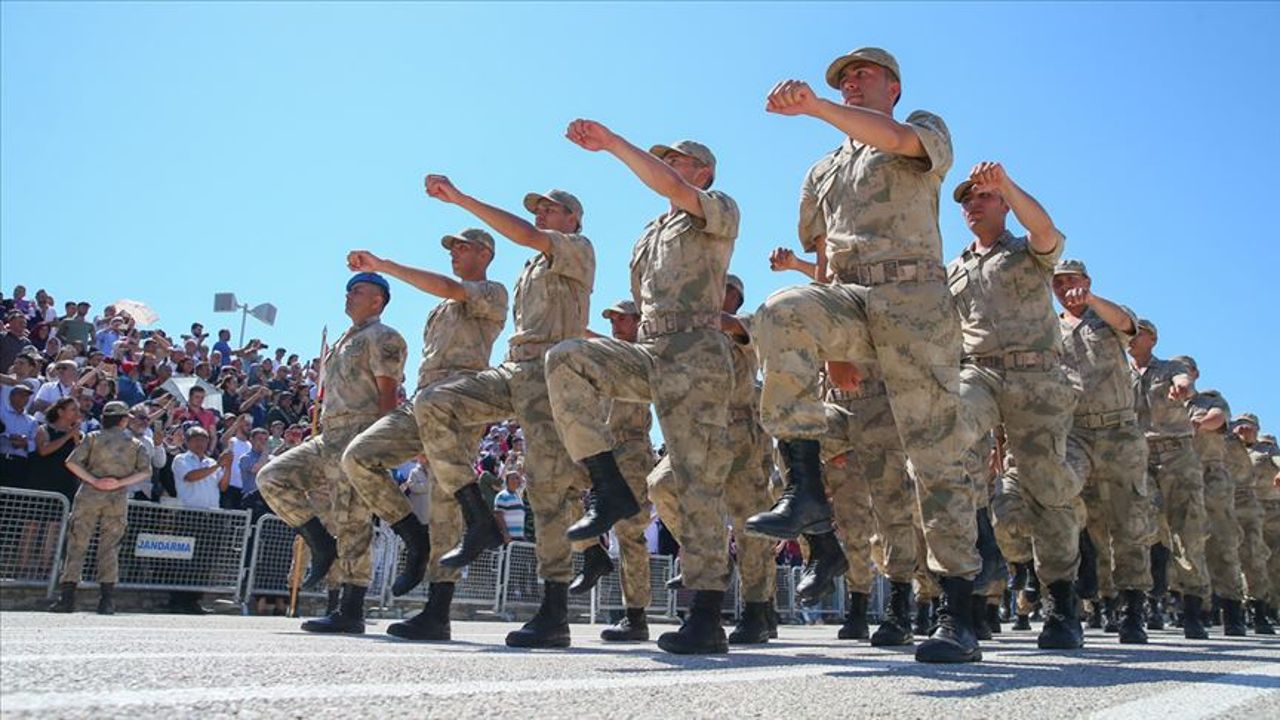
<point x="143" y="666"/>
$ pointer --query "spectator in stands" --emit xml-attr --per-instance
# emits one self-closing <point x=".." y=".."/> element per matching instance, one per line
<point x="17" y="439"/>
<point x="14" y="341"/>
<point x="275" y="439"/>
<point x="22" y="372"/>
<point x="195" y="411"/>
<point x="128" y="389"/>
<point x="106" y="339"/>
<point x="61" y="384"/>
<point x="139" y="422"/>
<point x="509" y="507"/>
<point x="250" y="465"/>
<point x="236" y="440"/>
<point x="200" y="481"/>
<point x="282" y="410"/>
<point x="77" y="329"/>
<point x="88" y="421"/>
<point x="54" y="441"/>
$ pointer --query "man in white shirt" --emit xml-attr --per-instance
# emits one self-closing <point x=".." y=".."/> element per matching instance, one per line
<point x="62" y="383"/>
<point x="18" y="440"/>
<point x="236" y="439"/>
<point x="198" y="478"/>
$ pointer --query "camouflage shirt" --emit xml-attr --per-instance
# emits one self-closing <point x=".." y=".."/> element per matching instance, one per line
<point x="873" y="205"/>
<point x="679" y="264"/>
<point x="459" y="334"/>
<point x="1094" y="354"/>
<point x="364" y="352"/>
<point x="1263" y="456"/>
<point x="745" y="392"/>
<point x="1240" y="468"/>
<point x="1004" y="299"/>
<point x="1210" y="445"/>
<point x="111" y="453"/>
<point x="1169" y="418"/>
<point x="630" y="421"/>
<point x="553" y="292"/>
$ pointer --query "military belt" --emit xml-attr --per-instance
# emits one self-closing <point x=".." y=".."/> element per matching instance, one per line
<point x="1021" y="360"/>
<point x="892" y="271"/>
<point x="1092" y="421"/>
<point x="529" y="351"/>
<point x="657" y="326"/>
<point x="866" y="389"/>
<point x="1163" y="445"/>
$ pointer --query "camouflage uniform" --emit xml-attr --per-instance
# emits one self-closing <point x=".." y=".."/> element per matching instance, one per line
<point x="861" y="422"/>
<point x="1175" y="473"/>
<point x="104" y="453"/>
<point x="746" y="489"/>
<point x="1253" y="548"/>
<point x="1222" y="546"/>
<point x="851" y="505"/>
<point x="630" y="424"/>
<point x="552" y="299"/>
<point x="1107" y="451"/>
<point x="297" y="481"/>
<point x="889" y="305"/>
<point x="681" y="364"/>
<point x="1266" y="459"/>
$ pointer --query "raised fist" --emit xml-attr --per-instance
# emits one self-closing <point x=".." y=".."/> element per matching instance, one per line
<point x="792" y="97"/>
<point x="590" y="135"/>
<point x="441" y="188"/>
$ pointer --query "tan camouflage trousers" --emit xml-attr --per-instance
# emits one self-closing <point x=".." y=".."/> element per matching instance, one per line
<point x="1271" y="535"/>
<point x="746" y="492"/>
<point x="1222" y="546"/>
<point x="1035" y="408"/>
<point x="91" y="508"/>
<point x="635" y="460"/>
<point x="912" y="331"/>
<point x="307" y="481"/>
<point x="864" y="427"/>
<point x="1010" y="519"/>
<point x="1112" y="463"/>
<point x="688" y="378"/>
<point x="851" y="504"/>
<point x="453" y="413"/>
<point x="1178" y="477"/>
<point x="1253" y="548"/>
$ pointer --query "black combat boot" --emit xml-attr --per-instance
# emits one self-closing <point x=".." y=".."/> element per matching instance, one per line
<point x="417" y="552"/>
<point x="981" y="630"/>
<point x="1111" y="615"/>
<point x="993" y="618"/>
<point x="753" y="626"/>
<point x="349" y="619"/>
<point x="774" y="619"/>
<point x="1087" y="575"/>
<point x="324" y="550"/>
<point x="1214" y="616"/>
<point x="1095" y="620"/>
<point x="701" y="633"/>
<point x="433" y="622"/>
<point x="1021" y="622"/>
<point x="105" y="604"/>
<point x="895" y="629"/>
<point x="332" y="601"/>
<point x="1061" y="630"/>
<point x="676" y="582"/>
<point x="1233" y="624"/>
<point x="924" y="619"/>
<point x="482" y="531"/>
<point x="549" y="627"/>
<point x="953" y="641"/>
<point x="855" y="619"/>
<point x="1192" y="625"/>
<point x="1032" y="587"/>
<point x="827" y="562"/>
<point x="803" y="507"/>
<point x="1133" y="620"/>
<point x="633" y="627"/>
<point x="1261" y="624"/>
<point x="609" y="501"/>
<point x="1159" y="586"/>
<point x="1155" y="612"/>
<point x="596" y="563"/>
<point x="66" y="602"/>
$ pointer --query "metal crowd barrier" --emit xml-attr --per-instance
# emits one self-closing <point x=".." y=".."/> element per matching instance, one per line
<point x="520" y="586"/>
<point x="609" y="590"/>
<point x="33" y="525"/>
<point x="176" y="548"/>
<point x="271" y="561"/>
<point x="481" y="582"/>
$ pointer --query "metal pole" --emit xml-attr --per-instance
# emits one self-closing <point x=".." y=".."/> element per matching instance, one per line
<point x="244" y="315"/>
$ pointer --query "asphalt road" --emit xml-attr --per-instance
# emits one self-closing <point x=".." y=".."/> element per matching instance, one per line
<point x="164" y="666"/>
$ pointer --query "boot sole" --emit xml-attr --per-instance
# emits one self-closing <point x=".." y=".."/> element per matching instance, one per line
<point x="975" y="656"/>
<point x="679" y="650"/>
<point x="332" y="631"/>
<point x="816" y="527"/>
<point x="625" y="639"/>
<point x="454" y="561"/>
<point x="537" y="644"/>
<point x="396" y="631"/>
<point x="758" y="640"/>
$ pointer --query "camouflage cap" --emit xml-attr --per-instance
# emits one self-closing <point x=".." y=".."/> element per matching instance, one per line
<point x="735" y="282"/>
<point x="115" y="408"/>
<point x="1268" y="439"/>
<point x="1070" y="267"/>
<point x="695" y="150"/>
<point x="875" y="55"/>
<point x="1186" y="360"/>
<point x="1246" y="419"/>
<point x="562" y="198"/>
<point x="475" y="236"/>
<point x="622" y="307"/>
<point x="1145" y="324"/>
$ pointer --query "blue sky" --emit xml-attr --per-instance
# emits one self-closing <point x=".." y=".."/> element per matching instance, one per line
<point x="165" y="152"/>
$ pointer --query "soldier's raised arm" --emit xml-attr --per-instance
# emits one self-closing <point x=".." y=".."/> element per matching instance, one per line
<point x="657" y="173"/>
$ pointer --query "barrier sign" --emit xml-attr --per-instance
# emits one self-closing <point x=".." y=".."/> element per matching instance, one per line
<point x="172" y="547"/>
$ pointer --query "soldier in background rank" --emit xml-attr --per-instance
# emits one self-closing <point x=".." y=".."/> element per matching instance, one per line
<point x="1253" y="547"/>
<point x="107" y="463"/>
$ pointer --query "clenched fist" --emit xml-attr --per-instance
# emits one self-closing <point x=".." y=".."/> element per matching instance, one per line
<point x="363" y="261"/>
<point x="792" y="97"/>
<point x="441" y="188"/>
<point x="590" y="135"/>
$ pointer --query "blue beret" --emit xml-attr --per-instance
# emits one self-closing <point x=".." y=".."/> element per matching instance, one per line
<point x="374" y="278"/>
